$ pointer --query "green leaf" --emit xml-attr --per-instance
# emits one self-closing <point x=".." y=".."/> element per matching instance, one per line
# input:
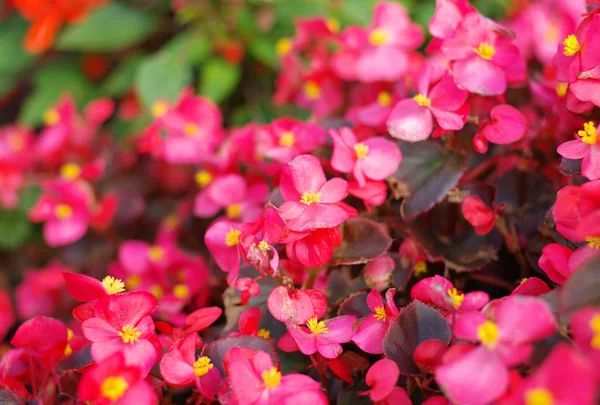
<point x="15" y="227"/>
<point x="121" y="80"/>
<point x="50" y="83"/>
<point x="163" y="76"/>
<point x="219" y="79"/>
<point x="111" y="28"/>
<point x="7" y="83"/>
<point x="13" y="58"/>
<point x="263" y="49"/>
<point x="191" y="47"/>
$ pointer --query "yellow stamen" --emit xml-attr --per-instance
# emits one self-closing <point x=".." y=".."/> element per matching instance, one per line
<point x="113" y="285"/>
<point x="156" y="253"/>
<point x="51" y="117"/>
<point x="538" y="396"/>
<point x="63" y="211"/>
<point x="561" y="89"/>
<point x="70" y="171"/>
<point x="316" y="326"/>
<point x="523" y="280"/>
<point x="133" y="281"/>
<point x="485" y="50"/>
<point x="181" y="291"/>
<point x="422" y="100"/>
<point x="234" y="211"/>
<point x="593" y="241"/>
<point x="262" y="245"/>
<point x="384" y="98"/>
<point x="488" y="333"/>
<point x="333" y="25"/>
<point x="589" y="134"/>
<point x="68" y="349"/>
<point x="420" y="269"/>
<point x="271" y="377"/>
<point x="159" y="109"/>
<point x="233" y="237"/>
<point x="202" y="366"/>
<point x="361" y="150"/>
<point x="203" y="178"/>
<point x="380" y="314"/>
<point x="190" y="129"/>
<point x="157" y="291"/>
<point x="113" y="388"/>
<point x="287" y="139"/>
<point x="378" y="37"/>
<point x="571" y="45"/>
<point x="309" y="198"/>
<point x="283" y="47"/>
<point x="263" y="333"/>
<point x="457" y="298"/>
<point x="130" y="334"/>
<point x="312" y="90"/>
<point x="595" y="326"/>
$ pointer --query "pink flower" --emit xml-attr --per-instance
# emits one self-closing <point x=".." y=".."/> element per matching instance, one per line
<point x="323" y="336"/>
<point x="115" y="382"/>
<point x="447" y="16"/>
<point x="222" y="239"/>
<point x="66" y="209"/>
<point x="122" y="325"/>
<point x="85" y="288"/>
<point x="483" y="61"/>
<point x="7" y="313"/>
<point x="321" y="92"/>
<point x="508" y="125"/>
<point x="312" y="202"/>
<point x="382" y="378"/>
<point x="412" y="119"/>
<point x="578" y="52"/>
<point x="372" y="193"/>
<point x="378" y="53"/>
<point x="372" y="103"/>
<point x="478" y="214"/>
<point x="43" y="338"/>
<point x="180" y="367"/>
<point x="248" y="288"/>
<point x="531" y="286"/>
<point x="584" y="147"/>
<point x="378" y="272"/>
<point x="440" y="292"/>
<point x="256" y="381"/>
<point x="372" y="329"/>
<point x="15" y="160"/>
<point x="585" y="328"/>
<point x="296" y="306"/>
<point x="286" y="138"/>
<point x="576" y="211"/>
<point x="315" y="248"/>
<point x="232" y="193"/>
<point x="40" y="292"/>
<point x="374" y="158"/>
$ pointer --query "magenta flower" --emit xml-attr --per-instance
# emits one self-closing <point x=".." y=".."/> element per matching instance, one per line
<point x="7" y="313"/>
<point x="380" y="52"/>
<point x="412" y="119"/>
<point x="372" y="103"/>
<point x="257" y="381"/>
<point x="579" y="52"/>
<point x="315" y="248"/>
<point x="585" y="328"/>
<point x="180" y="367"/>
<point x="576" y="211"/>
<point x="440" y="292"/>
<point x="114" y="382"/>
<point x="222" y="239"/>
<point x="508" y="125"/>
<point x="15" y="161"/>
<point x="311" y="202"/>
<point x="374" y="158"/>
<point x="297" y="306"/>
<point x="447" y="16"/>
<point x="66" y="209"/>
<point x="478" y="214"/>
<point x="372" y="193"/>
<point x="483" y="61"/>
<point x="323" y="336"/>
<point x="584" y="147"/>
<point x="321" y="92"/>
<point x="286" y="138"/>
<point x="247" y="288"/>
<point x="122" y="325"/>
<point x="382" y="378"/>
<point x="372" y="329"/>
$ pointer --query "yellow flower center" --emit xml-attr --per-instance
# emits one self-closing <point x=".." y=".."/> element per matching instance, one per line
<point x="538" y="396"/>
<point x="203" y="178"/>
<point x="593" y="241"/>
<point x="113" y="285"/>
<point x="190" y="129"/>
<point x="70" y="171"/>
<point x="234" y="211"/>
<point x="361" y="150"/>
<point x="523" y="280"/>
<point x="287" y="139"/>
<point x="384" y="98"/>
<point x="380" y="314"/>
<point x="456" y="297"/>
<point x="378" y="37"/>
<point x="485" y="50"/>
<point x="488" y="332"/>
<point x="202" y="366"/>
<point x="312" y="90"/>
<point x="571" y="45"/>
<point x="263" y="333"/>
<point x="181" y="291"/>
<point x="309" y="198"/>
<point x="283" y="47"/>
<point x="420" y="269"/>
<point x="68" y="350"/>
<point x="113" y="388"/>
<point x="589" y="134"/>
<point x="63" y="211"/>
<point x="130" y="334"/>
<point x="561" y="89"/>
<point x="159" y="109"/>
<point x="271" y="377"/>
<point x="157" y="291"/>
<point x="595" y="326"/>
<point x="232" y="237"/>
<point x="422" y="100"/>
<point x="51" y="117"/>
<point x="133" y="281"/>
<point x="316" y="326"/>
<point x="156" y="253"/>
<point x="333" y="25"/>
<point x="262" y="245"/>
